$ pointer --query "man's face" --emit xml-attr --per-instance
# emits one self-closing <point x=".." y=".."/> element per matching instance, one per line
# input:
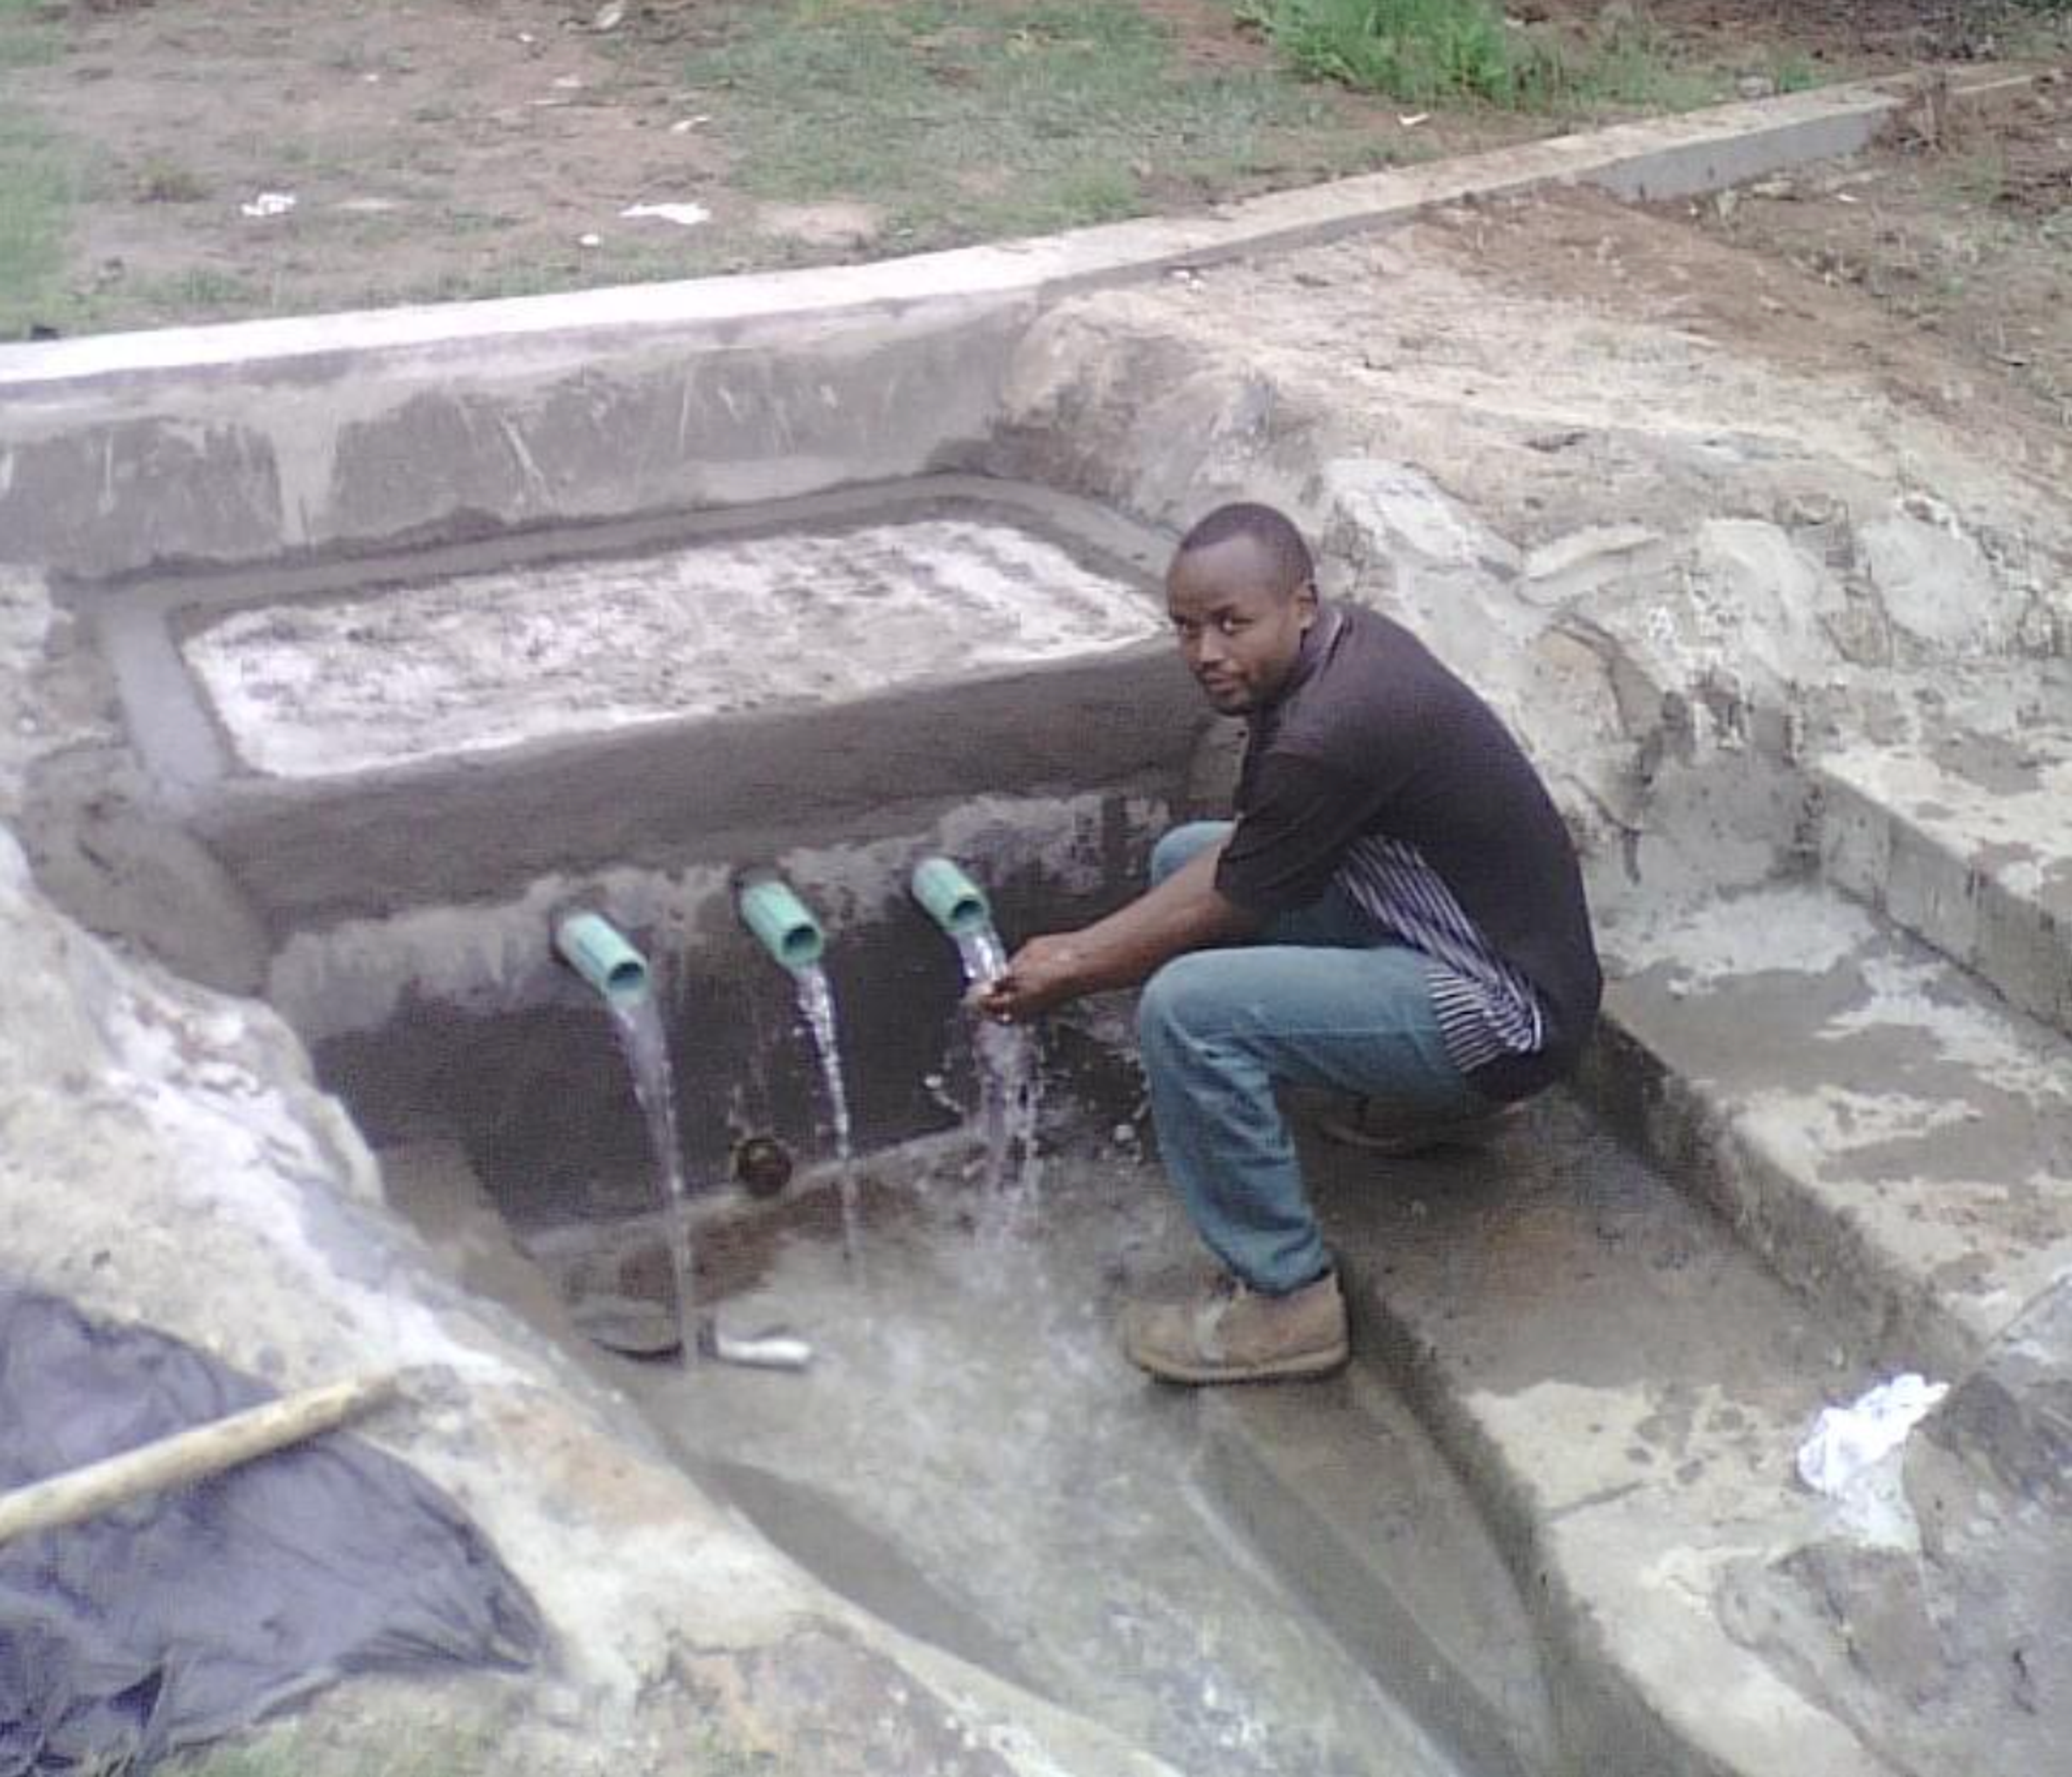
<point x="1240" y="633"/>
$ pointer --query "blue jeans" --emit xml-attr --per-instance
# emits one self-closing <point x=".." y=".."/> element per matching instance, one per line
<point x="1320" y="999"/>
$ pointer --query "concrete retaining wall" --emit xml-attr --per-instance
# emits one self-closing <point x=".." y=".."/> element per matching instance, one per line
<point x="249" y="442"/>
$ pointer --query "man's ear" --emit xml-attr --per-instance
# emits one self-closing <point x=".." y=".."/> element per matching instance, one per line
<point x="1305" y="596"/>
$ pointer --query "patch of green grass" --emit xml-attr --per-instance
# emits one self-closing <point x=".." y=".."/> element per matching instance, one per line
<point x="1793" y="71"/>
<point x="1418" y="51"/>
<point x="960" y="118"/>
<point x="29" y="34"/>
<point x="36" y="194"/>
<point x="2038" y="31"/>
<point x="203" y="288"/>
<point x="159" y="299"/>
<point x="1440" y="51"/>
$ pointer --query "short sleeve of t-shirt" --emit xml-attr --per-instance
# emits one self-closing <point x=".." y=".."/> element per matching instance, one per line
<point x="1297" y="822"/>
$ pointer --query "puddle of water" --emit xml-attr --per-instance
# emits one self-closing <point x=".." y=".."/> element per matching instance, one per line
<point x="972" y="1458"/>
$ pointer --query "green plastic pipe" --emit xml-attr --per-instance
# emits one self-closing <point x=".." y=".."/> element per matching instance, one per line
<point x="783" y="923"/>
<point x="950" y="897"/>
<point x="599" y="952"/>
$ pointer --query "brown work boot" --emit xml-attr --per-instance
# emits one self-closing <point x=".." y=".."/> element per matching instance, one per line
<point x="1229" y="1333"/>
<point x="1384" y="1126"/>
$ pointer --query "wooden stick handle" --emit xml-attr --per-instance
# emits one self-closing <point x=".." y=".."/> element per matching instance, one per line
<point x="187" y="1456"/>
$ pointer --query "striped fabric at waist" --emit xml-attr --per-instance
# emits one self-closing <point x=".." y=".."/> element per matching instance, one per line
<point x="1486" y="1008"/>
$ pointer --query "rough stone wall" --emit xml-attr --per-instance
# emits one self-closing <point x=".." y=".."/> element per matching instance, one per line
<point x="1673" y="567"/>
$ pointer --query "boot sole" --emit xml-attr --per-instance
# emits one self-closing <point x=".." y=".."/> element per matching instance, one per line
<point x="1308" y="1364"/>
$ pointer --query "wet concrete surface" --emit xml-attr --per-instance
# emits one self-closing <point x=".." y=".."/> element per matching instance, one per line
<point x="970" y="1459"/>
<point x="518" y="1066"/>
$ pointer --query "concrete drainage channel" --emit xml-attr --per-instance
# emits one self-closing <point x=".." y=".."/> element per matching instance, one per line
<point x="422" y="637"/>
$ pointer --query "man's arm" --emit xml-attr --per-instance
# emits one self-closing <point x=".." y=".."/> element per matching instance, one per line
<point x="1185" y="912"/>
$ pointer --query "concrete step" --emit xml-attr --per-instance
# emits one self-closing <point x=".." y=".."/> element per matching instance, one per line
<point x="1889" y="1135"/>
<point x="1966" y="840"/>
<point x="1621" y="1387"/>
<point x="1342" y="1485"/>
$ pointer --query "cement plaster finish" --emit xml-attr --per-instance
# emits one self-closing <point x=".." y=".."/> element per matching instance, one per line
<point x="457" y="1024"/>
<point x="265" y="438"/>
<point x="1623" y="1385"/>
<point x="427" y="670"/>
<point x="1341" y="1484"/>
<point x="333" y="450"/>
<point x="1038" y="693"/>
<point x="1892" y="1137"/>
<point x="1943" y="1652"/>
<point x="725" y="792"/>
<point x="1966" y="841"/>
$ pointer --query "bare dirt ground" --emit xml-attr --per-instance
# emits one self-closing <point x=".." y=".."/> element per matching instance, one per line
<point x="433" y="148"/>
<point x="441" y="148"/>
<point x="1959" y="224"/>
<point x="219" y="159"/>
<point x="1939" y="270"/>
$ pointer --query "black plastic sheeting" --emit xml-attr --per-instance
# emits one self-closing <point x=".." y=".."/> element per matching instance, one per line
<point x="183" y="1616"/>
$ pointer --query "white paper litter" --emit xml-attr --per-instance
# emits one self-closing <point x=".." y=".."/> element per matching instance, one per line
<point x="1847" y="1442"/>
<point x="268" y="203"/>
<point x="684" y="216"/>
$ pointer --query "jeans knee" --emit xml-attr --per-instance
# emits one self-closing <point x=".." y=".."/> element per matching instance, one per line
<point x="1174" y="1006"/>
<point x="1180" y="845"/>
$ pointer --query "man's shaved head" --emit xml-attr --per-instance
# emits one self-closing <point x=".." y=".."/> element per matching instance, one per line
<point x="1270" y="532"/>
<point x="1241" y="595"/>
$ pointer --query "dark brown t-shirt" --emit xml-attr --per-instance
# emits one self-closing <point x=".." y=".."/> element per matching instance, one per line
<point x="1378" y="770"/>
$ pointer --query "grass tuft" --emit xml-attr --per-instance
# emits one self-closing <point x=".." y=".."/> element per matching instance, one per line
<point x="36" y="190"/>
<point x="29" y="38"/>
<point x="1420" y="51"/>
<point x="963" y="118"/>
<point x="1440" y="51"/>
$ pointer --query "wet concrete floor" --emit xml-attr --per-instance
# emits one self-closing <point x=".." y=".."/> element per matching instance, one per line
<point x="970" y="1459"/>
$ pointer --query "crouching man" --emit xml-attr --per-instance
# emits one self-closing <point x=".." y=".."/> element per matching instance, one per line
<point x="1395" y="916"/>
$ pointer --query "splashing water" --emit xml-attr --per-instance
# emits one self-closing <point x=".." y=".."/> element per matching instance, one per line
<point x="975" y="1458"/>
<point x="1010" y="1083"/>
<point x="646" y="1049"/>
<point x="816" y="1007"/>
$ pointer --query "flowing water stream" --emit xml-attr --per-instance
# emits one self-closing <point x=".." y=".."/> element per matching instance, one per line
<point x="1010" y="1080"/>
<point x="646" y="1045"/>
<point x="816" y="1007"/>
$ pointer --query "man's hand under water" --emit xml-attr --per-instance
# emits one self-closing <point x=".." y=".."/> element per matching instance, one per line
<point x="1184" y="913"/>
<point x="1044" y="973"/>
